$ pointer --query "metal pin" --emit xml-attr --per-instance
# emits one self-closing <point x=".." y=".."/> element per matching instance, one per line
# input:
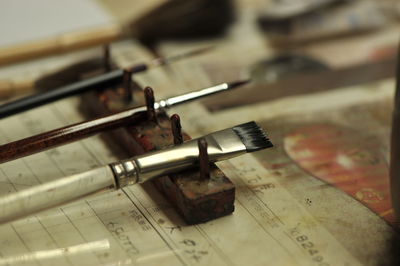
<point x="107" y="57"/>
<point x="204" y="161"/>
<point x="176" y="129"/>
<point x="149" y="97"/>
<point x="127" y="85"/>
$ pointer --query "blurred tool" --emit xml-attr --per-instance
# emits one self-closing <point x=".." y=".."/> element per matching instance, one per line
<point x="335" y="20"/>
<point x="280" y="10"/>
<point x="289" y="75"/>
<point x="395" y="147"/>
<point x="184" y="19"/>
<point x="284" y="66"/>
<point x="78" y="131"/>
<point x="105" y="80"/>
<point x="59" y="44"/>
<point x="173" y="19"/>
<point x="222" y="145"/>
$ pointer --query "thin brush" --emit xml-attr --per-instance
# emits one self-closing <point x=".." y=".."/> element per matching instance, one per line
<point x="61" y="136"/>
<point x="160" y="61"/>
<point x="100" y="82"/>
<point x="222" y="145"/>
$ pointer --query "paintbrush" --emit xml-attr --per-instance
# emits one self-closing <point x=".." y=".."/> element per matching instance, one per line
<point x="85" y="129"/>
<point x="222" y="145"/>
<point x="395" y="147"/>
<point x="103" y="81"/>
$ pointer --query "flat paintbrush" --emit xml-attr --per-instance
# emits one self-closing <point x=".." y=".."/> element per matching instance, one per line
<point x="103" y="81"/>
<point x="85" y="129"/>
<point x="222" y="145"/>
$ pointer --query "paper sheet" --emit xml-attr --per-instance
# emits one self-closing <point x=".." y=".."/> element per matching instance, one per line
<point x="138" y="226"/>
<point x="273" y="222"/>
<point x="24" y="21"/>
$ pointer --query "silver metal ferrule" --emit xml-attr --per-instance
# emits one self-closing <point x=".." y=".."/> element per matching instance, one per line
<point x="125" y="172"/>
<point x="165" y="104"/>
<point x="222" y="145"/>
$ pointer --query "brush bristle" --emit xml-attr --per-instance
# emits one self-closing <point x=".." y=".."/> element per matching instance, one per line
<point x="252" y="136"/>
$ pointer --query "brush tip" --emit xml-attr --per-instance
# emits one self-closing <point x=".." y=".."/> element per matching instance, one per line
<point x="252" y="136"/>
<point x="168" y="60"/>
<point x="238" y="83"/>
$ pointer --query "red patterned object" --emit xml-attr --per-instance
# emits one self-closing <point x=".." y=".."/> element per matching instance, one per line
<point x="345" y="159"/>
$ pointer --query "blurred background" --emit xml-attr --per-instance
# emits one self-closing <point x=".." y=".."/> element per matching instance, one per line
<point x="274" y="40"/>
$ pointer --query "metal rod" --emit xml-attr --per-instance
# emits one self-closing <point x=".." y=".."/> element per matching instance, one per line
<point x="204" y="161"/>
<point x="176" y="129"/>
<point x="151" y="111"/>
<point x="127" y="86"/>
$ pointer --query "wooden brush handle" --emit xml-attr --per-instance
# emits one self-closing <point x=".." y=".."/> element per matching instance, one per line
<point x="61" y="136"/>
<point x="60" y="43"/>
<point x="395" y="148"/>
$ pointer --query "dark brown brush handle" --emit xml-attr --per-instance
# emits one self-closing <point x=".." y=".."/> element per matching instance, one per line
<point x="64" y="135"/>
<point x="395" y="148"/>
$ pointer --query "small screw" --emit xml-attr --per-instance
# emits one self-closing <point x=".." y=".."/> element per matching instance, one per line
<point x="204" y="161"/>
<point x="176" y="129"/>
<point x="149" y="97"/>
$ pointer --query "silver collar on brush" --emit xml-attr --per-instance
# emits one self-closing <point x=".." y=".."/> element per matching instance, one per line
<point x="125" y="172"/>
<point x="222" y="145"/>
<point x="165" y="104"/>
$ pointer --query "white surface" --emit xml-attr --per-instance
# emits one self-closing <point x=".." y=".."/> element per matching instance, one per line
<point x="22" y="20"/>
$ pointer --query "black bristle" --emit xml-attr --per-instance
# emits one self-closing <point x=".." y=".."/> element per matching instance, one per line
<point x="252" y="136"/>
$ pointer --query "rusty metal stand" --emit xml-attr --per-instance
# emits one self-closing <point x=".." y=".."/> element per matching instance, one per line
<point x="199" y="195"/>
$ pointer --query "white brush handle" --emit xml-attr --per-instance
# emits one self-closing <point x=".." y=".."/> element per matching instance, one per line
<point x="38" y="198"/>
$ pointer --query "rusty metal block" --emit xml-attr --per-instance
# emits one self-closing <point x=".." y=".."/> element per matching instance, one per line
<point x="197" y="200"/>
